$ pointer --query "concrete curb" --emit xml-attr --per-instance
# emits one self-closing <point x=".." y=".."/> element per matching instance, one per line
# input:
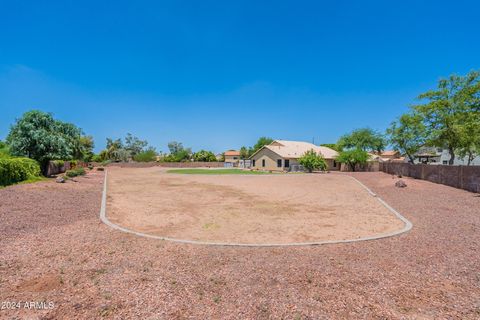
<point x="408" y="225"/>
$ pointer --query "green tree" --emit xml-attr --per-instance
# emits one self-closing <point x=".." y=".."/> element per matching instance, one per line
<point x="312" y="160"/>
<point x="175" y="147"/>
<point x="470" y="138"/>
<point x="39" y="136"/>
<point x="353" y="157"/>
<point x="407" y="134"/>
<point x="448" y="109"/>
<point x="244" y="153"/>
<point x="333" y="146"/>
<point x="365" y="139"/>
<point x="178" y="153"/>
<point x="85" y="147"/>
<point x="204" y="156"/>
<point x="262" y="141"/>
<point x="134" y="145"/>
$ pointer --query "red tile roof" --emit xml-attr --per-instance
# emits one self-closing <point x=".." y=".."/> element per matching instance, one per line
<point x="232" y="153"/>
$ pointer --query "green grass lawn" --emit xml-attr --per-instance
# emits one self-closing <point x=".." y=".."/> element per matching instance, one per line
<point x="215" y="171"/>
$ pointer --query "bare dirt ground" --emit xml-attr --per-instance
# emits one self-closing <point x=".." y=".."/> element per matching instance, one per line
<point x="54" y="248"/>
<point x="252" y="209"/>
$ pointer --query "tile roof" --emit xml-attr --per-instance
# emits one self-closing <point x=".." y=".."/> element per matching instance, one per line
<point x="295" y="149"/>
<point x="232" y="153"/>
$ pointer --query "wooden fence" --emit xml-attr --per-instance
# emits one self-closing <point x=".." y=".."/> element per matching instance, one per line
<point x="462" y="177"/>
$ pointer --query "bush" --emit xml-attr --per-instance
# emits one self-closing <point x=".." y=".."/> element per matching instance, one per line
<point x="146" y="156"/>
<point x="75" y="172"/>
<point x="312" y="161"/>
<point x="13" y="170"/>
<point x="59" y="163"/>
<point x="4" y="150"/>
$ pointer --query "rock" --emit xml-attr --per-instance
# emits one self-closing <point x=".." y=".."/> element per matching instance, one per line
<point x="60" y="180"/>
<point x="400" y="184"/>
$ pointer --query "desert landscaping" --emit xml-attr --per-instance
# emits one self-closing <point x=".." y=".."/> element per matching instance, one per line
<point x="245" y="209"/>
<point x="55" y="249"/>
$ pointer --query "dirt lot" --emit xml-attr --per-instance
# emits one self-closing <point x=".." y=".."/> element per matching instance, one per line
<point x="54" y="248"/>
<point x="245" y="209"/>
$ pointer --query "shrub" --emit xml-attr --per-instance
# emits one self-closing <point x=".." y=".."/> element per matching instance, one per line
<point x="13" y="170"/>
<point x="73" y="164"/>
<point x="75" y="172"/>
<point x="4" y="150"/>
<point x="312" y="161"/>
<point x="146" y="156"/>
<point x="59" y="163"/>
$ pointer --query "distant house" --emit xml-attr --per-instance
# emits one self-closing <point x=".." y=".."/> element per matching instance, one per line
<point x="232" y="156"/>
<point x="387" y="156"/>
<point x="281" y="155"/>
<point x="432" y="155"/>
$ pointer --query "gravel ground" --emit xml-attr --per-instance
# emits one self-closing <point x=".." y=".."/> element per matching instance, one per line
<point x="53" y="248"/>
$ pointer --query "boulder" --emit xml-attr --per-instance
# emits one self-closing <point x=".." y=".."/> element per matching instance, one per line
<point x="400" y="184"/>
<point x="60" y="180"/>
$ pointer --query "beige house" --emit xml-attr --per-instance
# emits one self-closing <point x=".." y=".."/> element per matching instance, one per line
<point x="282" y="155"/>
<point x="232" y="156"/>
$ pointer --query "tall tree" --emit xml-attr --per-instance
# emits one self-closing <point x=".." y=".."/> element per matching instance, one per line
<point x="134" y="145"/>
<point x="365" y="139"/>
<point x="407" y="134"/>
<point x="470" y="138"/>
<point x="244" y="153"/>
<point x="85" y="148"/>
<point x="262" y="141"/>
<point x="448" y="109"/>
<point x="39" y="136"/>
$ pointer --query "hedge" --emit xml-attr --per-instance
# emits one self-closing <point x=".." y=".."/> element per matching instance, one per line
<point x="13" y="170"/>
<point x="75" y="172"/>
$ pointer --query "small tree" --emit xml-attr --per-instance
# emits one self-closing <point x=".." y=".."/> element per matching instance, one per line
<point x="407" y="134"/>
<point x="312" y="160"/>
<point x="353" y="157"/>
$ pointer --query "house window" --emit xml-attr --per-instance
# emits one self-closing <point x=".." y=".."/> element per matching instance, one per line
<point x="263" y="162"/>
<point x="279" y="163"/>
<point x="445" y="162"/>
<point x="287" y="163"/>
<point x="235" y="158"/>
<point x="253" y="163"/>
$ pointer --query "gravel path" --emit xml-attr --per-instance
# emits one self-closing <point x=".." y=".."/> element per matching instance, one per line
<point x="54" y="248"/>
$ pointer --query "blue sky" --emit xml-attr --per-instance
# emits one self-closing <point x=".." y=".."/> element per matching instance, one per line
<point x="219" y="74"/>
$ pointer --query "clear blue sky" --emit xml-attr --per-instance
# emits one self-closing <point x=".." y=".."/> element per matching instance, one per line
<point x="219" y="74"/>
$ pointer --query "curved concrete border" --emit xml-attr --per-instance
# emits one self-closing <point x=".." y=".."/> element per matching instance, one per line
<point x="407" y="227"/>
